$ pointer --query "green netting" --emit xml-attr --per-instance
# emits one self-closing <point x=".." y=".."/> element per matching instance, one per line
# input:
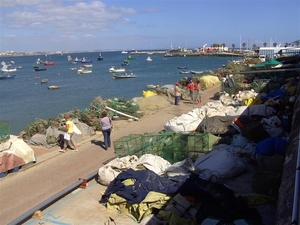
<point x="119" y="104"/>
<point x="171" y="146"/>
<point x="4" y="131"/>
<point x="128" y="145"/>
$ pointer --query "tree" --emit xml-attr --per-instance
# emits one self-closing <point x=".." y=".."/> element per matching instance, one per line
<point x="286" y="44"/>
<point x="254" y="46"/>
<point x="244" y="45"/>
<point x="274" y="44"/>
<point x="265" y="44"/>
<point x="233" y="46"/>
<point x="297" y="43"/>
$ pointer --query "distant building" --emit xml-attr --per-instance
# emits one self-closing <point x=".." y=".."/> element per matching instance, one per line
<point x="273" y="52"/>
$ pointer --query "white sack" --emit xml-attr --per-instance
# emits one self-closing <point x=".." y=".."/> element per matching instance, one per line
<point x="272" y="126"/>
<point x="152" y="162"/>
<point x="218" y="164"/>
<point x="181" y="168"/>
<point x="111" y="170"/>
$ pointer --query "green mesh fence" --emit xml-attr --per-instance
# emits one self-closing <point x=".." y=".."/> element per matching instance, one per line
<point x="129" y="145"/>
<point x="171" y="146"/>
<point x="4" y="131"/>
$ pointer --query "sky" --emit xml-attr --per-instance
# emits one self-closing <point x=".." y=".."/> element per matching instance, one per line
<point x="92" y="25"/>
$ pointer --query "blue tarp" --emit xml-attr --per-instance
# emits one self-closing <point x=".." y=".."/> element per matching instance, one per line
<point x="271" y="146"/>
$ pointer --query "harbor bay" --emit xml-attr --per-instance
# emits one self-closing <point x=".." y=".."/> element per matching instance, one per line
<point x="26" y="98"/>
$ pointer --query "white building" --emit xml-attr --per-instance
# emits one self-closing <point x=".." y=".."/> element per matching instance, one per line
<point x="273" y="52"/>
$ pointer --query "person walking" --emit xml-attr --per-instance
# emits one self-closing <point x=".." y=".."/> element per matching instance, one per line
<point x="198" y="90"/>
<point x="106" y="129"/>
<point x="177" y="91"/>
<point x="69" y="135"/>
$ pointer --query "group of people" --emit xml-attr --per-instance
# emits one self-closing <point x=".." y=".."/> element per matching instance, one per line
<point x="195" y="90"/>
<point x="106" y="127"/>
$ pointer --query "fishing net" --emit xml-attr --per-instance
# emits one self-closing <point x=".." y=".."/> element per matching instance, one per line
<point x="173" y="147"/>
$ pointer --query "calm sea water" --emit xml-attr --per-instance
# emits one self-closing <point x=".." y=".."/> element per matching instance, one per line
<point x="24" y="98"/>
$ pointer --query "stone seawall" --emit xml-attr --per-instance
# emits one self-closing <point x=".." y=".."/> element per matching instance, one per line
<point x="286" y="191"/>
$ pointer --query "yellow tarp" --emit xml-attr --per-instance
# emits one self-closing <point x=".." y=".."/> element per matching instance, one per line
<point x="148" y="94"/>
<point x="154" y="200"/>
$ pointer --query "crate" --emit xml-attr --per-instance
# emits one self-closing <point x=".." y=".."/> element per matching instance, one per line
<point x="128" y="145"/>
<point x="4" y="131"/>
<point x="173" y="147"/>
<point x="160" y="144"/>
<point x="266" y="182"/>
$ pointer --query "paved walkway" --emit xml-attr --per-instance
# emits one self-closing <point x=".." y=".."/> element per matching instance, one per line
<point x="55" y="171"/>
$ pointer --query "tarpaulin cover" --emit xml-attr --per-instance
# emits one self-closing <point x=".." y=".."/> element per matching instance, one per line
<point x="15" y="153"/>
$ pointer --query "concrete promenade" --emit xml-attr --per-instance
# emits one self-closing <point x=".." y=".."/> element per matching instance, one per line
<point x="54" y="171"/>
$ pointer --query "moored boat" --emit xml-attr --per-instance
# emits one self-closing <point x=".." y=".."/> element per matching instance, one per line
<point x="39" y="61"/>
<point x="196" y="72"/>
<point x="168" y="55"/>
<point x="39" y="69"/>
<point x="182" y="67"/>
<point x="185" y="72"/>
<point x="44" y="81"/>
<point x="130" y="57"/>
<point x="84" y="71"/>
<point x="5" y="69"/>
<point x="100" y="57"/>
<point x="116" y="70"/>
<point x="8" y="76"/>
<point x="53" y="87"/>
<point x="49" y="63"/>
<point x="125" y="75"/>
<point x="84" y="60"/>
<point x="149" y="59"/>
<point x="87" y="65"/>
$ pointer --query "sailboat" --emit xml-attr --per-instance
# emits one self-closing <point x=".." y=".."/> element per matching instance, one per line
<point x="124" y="51"/>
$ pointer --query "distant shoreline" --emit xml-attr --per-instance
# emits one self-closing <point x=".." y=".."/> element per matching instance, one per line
<point x="174" y="54"/>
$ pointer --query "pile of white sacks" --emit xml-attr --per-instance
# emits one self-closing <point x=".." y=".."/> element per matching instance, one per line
<point x="226" y="106"/>
<point x="222" y="162"/>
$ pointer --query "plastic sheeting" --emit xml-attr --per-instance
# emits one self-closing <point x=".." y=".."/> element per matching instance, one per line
<point x="189" y="122"/>
<point x="220" y="163"/>
<point x="15" y="153"/>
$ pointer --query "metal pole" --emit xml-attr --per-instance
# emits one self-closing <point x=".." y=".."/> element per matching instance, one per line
<point x="26" y="216"/>
<point x="295" y="215"/>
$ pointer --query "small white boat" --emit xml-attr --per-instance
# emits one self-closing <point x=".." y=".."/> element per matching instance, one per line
<point x="88" y="65"/>
<point x="44" y="81"/>
<point x="7" y="70"/>
<point x="116" y="70"/>
<point x="84" y="71"/>
<point x="152" y="86"/>
<point x="196" y="72"/>
<point x="185" y="72"/>
<point x="149" y="59"/>
<point x="125" y="75"/>
<point x="53" y="87"/>
<point x="124" y="52"/>
<point x="69" y="58"/>
<point x="76" y="60"/>
<point x="39" y="61"/>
